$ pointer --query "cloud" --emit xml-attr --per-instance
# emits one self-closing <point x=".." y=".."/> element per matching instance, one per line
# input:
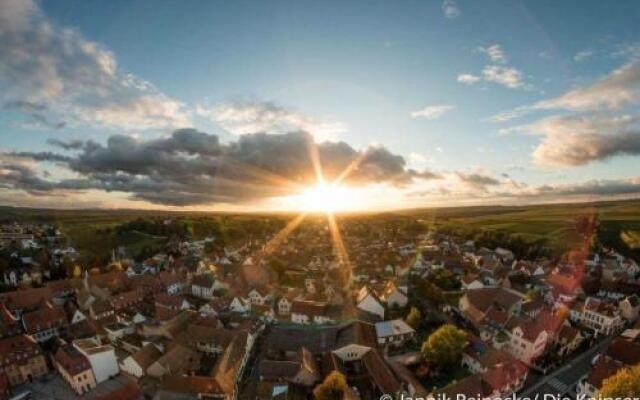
<point x="478" y="181"/>
<point x="58" y="69"/>
<point x="506" y="76"/>
<point x="594" y="187"/>
<point x="468" y="79"/>
<point x="495" y="53"/>
<point x="615" y="91"/>
<point x="193" y="168"/>
<point x="243" y="118"/>
<point x="433" y="112"/>
<point x="450" y="9"/>
<point x="580" y="149"/>
<point x="619" y="89"/>
<point x="583" y="55"/>
<point x="497" y="71"/>
<point x="598" y="128"/>
<point x="573" y="140"/>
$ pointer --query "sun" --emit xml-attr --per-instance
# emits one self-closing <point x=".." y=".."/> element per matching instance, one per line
<point x="328" y="198"/>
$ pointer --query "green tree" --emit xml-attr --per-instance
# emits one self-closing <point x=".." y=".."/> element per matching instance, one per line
<point x="624" y="384"/>
<point x="332" y="388"/>
<point x="414" y="317"/>
<point x="443" y="348"/>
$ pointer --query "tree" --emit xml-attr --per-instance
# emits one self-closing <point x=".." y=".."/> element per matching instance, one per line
<point x="332" y="388"/>
<point x="414" y="317"/>
<point x="443" y="348"/>
<point x="624" y="384"/>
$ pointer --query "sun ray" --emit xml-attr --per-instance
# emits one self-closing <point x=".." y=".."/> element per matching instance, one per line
<point x="261" y="174"/>
<point x="277" y="240"/>
<point x="314" y="156"/>
<point x="338" y="245"/>
<point x="353" y="165"/>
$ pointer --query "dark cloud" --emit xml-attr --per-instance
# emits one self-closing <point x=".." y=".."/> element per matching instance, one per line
<point x="580" y="149"/>
<point x="477" y="181"/>
<point x="595" y="187"/>
<point x="191" y="167"/>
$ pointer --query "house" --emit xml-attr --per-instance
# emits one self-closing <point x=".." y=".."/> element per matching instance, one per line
<point x="178" y="359"/>
<point x="301" y="369"/>
<point x="126" y="300"/>
<point x="394" y="296"/>
<point x="168" y="306"/>
<point x="630" y="308"/>
<point x="620" y="354"/>
<point x="138" y="363"/>
<point x="22" y="359"/>
<point x="239" y="305"/>
<point x="365" y="368"/>
<point x="44" y="323"/>
<point x="500" y="381"/>
<point x="101" y="357"/>
<point x="528" y="337"/>
<point x="172" y="281"/>
<point x="206" y="339"/>
<point x="74" y="368"/>
<point x="307" y="312"/>
<point x="259" y="296"/>
<point x="285" y="302"/>
<point x="568" y="340"/>
<point x="602" y="317"/>
<point x="489" y="309"/>
<point x="203" y="286"/>
<point x="367" y="300"/>
<point x="101" y="309"/>
<point x="471" y="281"/>
<point x="395" y="332"/>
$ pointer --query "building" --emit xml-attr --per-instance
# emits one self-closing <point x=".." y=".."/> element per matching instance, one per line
<point x="620" y="354"/>
<point x="528" y="337"/>
<point x="44" y="323"/>
<point x="395" y="332"/>
<point x="203" y="286"/>
<point x="368" y="301"/>
<point x="395" y="296"/>
<point x="172" y="281"/>
<point x="630" y="308"/>
<point x="21" y="359"/>
<point x="138" y="363"/>
<point x="75" y="369"/>
<point x="102" y="358"/>
<point x="602" y="317"/>
<point x="308" y="312"/>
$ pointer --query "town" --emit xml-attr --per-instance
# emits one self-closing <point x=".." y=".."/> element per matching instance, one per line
<point x="287" y="309"/>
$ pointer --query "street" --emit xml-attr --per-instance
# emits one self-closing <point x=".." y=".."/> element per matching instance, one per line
<point x="563" y="381"/>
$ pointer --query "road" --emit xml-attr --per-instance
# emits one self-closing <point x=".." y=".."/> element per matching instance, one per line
<point x="563" y="380"/>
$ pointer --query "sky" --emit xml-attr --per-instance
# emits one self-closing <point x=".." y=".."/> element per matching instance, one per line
<point x="222" y="105"/>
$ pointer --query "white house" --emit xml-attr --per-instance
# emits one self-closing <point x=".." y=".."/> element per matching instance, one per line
<point x="630" y="308"/>
<point x="602" y="317"/>
<point x="259" y="296"/>
<point x="102" y="358"/>
<point x="239" y="305"/>
<point x="137" y="363"/>
<point x="395" y="332"/>
<point x="395" y="296"/>
<point x="285" y="302"/>
<point x="307" y="312"/>
<point x="368" y="301"/>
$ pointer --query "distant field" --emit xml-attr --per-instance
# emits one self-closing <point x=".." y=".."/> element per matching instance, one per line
<point x="90" y="230"/>
<point x="553" y="223"/>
